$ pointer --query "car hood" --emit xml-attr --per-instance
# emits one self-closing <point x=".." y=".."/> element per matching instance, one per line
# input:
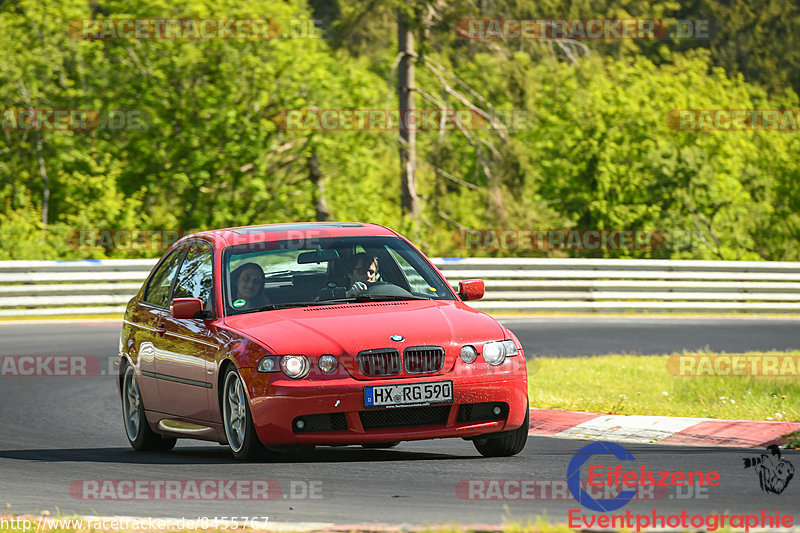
<point x="350" y="328"/>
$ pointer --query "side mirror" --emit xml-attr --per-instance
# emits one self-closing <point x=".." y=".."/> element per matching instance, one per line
<point x="186" y="307"/>
<point x="471" y="289"/>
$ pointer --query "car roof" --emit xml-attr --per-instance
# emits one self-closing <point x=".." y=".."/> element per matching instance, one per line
<point x="293" y="231"/>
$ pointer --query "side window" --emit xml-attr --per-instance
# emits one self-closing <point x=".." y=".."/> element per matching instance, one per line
<point x="195" y="279"/>
<point x="157" y="292"/>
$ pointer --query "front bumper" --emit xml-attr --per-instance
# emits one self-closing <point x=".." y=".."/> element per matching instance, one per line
<point x="334" y="412"/>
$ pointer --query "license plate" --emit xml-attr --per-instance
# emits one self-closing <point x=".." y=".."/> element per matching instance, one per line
<point x="408" y="394"/>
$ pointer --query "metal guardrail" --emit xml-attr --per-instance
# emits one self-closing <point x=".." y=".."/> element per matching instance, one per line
<point x="59" y="288"/>
<point x="62" y="288"/>
<point x="582" y="285"/>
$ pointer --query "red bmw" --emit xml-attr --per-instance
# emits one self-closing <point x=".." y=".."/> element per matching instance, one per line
<point x="314" y="334"/>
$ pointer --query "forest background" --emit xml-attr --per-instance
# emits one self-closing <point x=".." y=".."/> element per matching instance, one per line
<point x="206" y="143"/>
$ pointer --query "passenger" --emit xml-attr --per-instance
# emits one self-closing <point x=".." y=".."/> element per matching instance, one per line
<point x="364" y="273"/>
<point x="247" y="283"/>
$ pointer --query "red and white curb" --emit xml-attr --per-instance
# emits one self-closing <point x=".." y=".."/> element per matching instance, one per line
<point x="658" y="429"/>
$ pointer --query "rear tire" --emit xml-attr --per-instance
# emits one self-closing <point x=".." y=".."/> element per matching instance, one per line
<point x="137" y="429"/>
<point x="237" y="420"/>
<point x="506" y="443"/>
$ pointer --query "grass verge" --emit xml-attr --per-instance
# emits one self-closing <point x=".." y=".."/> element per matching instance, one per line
<point x="642" y="385"/>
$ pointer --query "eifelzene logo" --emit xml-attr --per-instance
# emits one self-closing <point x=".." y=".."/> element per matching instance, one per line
<point x="619" y="475"/>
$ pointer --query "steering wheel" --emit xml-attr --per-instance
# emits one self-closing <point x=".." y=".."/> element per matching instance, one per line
<point x="384" y="288"/>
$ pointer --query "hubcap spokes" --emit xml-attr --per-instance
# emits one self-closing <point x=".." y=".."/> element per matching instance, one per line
<point x="235" y="414"/>
<point x="131" y="404"/>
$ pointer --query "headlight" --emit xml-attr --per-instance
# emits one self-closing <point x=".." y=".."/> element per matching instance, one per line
<point x="295" y="366"/>
<point x="268" y="364"/>
<point x="468" y="354"/>
<point x="511" y="348"/>
<point x="495" y="353"/>
<point x="328" y="363"/>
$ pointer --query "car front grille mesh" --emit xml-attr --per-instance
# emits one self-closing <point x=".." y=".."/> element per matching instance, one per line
<point x="433" y="415"/>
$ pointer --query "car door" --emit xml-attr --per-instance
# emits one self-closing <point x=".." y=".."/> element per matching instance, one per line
<point x="145" y="322"/>
<point x="187" y="349"/>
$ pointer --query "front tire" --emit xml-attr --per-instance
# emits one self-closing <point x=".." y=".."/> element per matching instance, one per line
<point x="237" y="420"/>
<point x="504" y="444"/>
<point x="137" y="429"/>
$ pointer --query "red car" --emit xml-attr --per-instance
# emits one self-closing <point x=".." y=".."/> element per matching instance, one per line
<point x="280" y="335"/>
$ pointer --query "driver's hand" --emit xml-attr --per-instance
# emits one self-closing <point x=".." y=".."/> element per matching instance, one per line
<point x="358" y="288"/>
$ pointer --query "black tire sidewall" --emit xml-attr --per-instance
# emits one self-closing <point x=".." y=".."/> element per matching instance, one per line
<point x="506" y="443"/>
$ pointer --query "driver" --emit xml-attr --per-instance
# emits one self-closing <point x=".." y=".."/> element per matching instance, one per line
<point x="364" y="272"/>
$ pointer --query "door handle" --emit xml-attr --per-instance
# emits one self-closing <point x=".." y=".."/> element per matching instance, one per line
<point x="161" y="330"/>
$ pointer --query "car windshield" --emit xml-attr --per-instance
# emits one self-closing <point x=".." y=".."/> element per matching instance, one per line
<point x="323" y="271"/>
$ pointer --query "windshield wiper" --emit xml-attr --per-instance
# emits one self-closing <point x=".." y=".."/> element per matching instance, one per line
<point x="374" y="298"/>
<point x="354" y="299"/>
<point x="272" y="307"/>
<point x="380" y="297"/>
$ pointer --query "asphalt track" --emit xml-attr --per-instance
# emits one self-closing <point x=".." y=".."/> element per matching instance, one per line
<point x="55" y="432"/>
<point x="574" y="336"/>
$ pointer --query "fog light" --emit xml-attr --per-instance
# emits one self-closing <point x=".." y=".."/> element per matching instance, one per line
<point x="300" y="424"/>
<point x="497" y="410"/>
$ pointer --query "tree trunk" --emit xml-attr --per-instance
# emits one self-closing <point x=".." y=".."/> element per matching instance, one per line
<point x="409" y="202"/>
<point x="45" y="184"/>
<point x="318" y="192"/>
